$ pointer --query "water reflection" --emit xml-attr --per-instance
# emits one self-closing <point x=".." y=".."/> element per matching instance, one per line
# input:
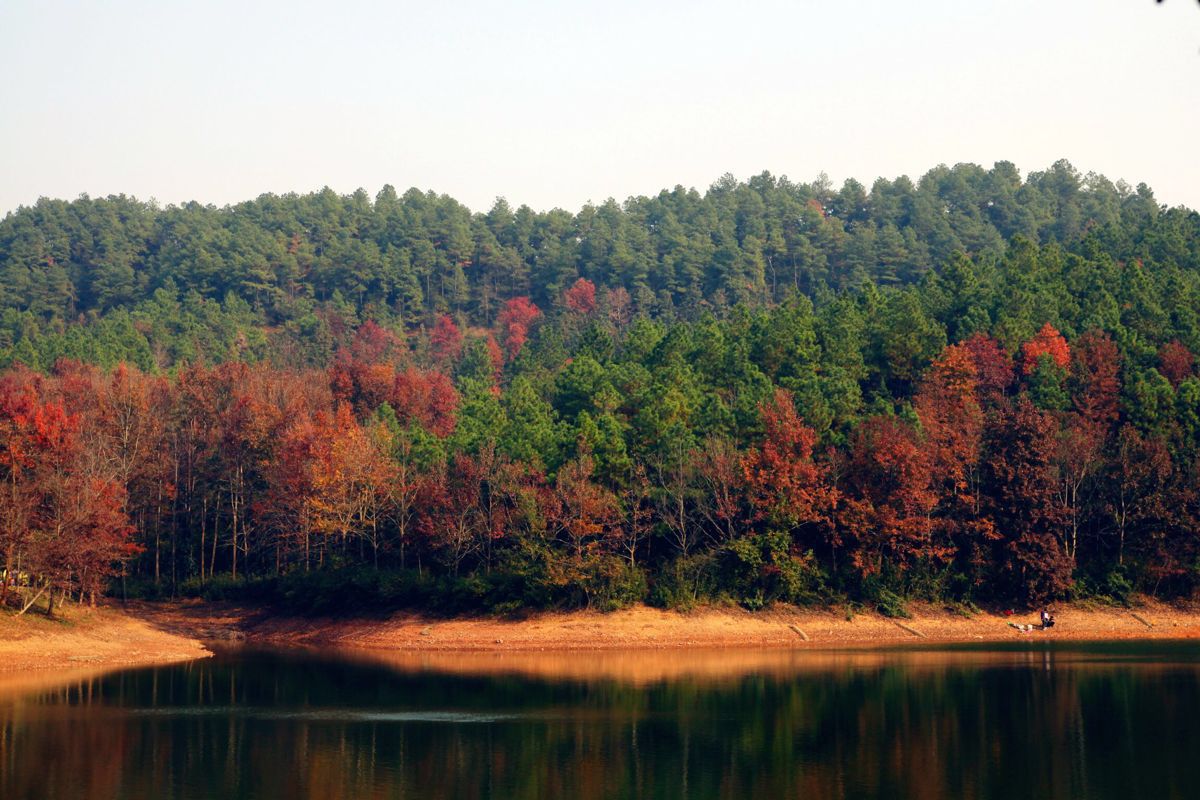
<point x="1045" y="722"/>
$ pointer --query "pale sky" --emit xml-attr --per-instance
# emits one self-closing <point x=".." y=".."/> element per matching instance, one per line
<point x="558" y="103"/>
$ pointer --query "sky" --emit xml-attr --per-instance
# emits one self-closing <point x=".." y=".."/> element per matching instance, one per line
<point x="561" y="103"/>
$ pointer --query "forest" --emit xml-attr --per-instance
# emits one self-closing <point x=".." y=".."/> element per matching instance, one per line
<point x="975" y="388"/>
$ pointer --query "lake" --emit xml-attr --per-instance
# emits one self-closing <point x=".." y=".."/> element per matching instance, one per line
<point x="1035" y="720"/>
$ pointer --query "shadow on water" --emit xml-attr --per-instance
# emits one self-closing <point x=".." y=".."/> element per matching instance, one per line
<point x="1029" y="721"/>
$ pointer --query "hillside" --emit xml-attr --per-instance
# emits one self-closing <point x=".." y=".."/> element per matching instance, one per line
<point x="284" y="277"/>
<point x="973" y="389"/>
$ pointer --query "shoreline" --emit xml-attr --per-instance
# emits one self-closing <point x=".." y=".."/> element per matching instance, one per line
<point x="79" y="640"/>
<point x="144" y="634"/>
<point x="645" y="628"/>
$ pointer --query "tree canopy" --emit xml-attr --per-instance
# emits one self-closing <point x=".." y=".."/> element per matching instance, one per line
<point x="974" y="387"/>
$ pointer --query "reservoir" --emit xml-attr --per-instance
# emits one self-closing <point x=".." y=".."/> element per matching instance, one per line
<point x="1034" y="720"/>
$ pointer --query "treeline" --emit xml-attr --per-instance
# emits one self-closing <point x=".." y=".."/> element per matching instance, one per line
<point x="280" y="277"/>
<point x="1014" y="423"/>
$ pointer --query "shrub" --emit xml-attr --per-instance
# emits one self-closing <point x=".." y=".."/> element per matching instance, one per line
<point x="685" y="582"/>
<point x="1118" y="586"/>
<point x="764" y="569"/>
<point x="891" y="604"/>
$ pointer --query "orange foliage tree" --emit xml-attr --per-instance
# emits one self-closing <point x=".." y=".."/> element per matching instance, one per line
<point x="784" y="483"/>
<point x="62" y="519"/>
<point x="1047" y="341"/>
<point x="886" y="514"/>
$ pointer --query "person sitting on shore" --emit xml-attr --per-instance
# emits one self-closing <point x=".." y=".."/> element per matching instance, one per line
<point x="1047" y="619"/>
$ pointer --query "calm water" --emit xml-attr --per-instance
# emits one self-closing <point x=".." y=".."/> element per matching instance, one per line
<point x="1034" y="722"/>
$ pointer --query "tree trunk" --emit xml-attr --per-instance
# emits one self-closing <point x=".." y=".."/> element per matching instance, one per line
<point x="203" y="522"/>
<point x="233" y="507"/>
<point x="33" y="600"/>
<point x="212" y="564"/>
<point x="375" y="541"/>
<point x="8" y="576"/>
<point x="157" y="559"/>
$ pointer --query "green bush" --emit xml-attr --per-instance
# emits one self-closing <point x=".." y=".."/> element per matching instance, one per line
<point x="358" y="591"/>
<point x="963" y="609"/>
<point x="138" y="589"/>
<point x="618" y="585"/>
<point x="1118" y="586"/>
<point x="764" y="569"/>
<point x="1113" y="588"/>
<point x="891" y="604"/>
<point x="191" y="587"/>
<point x="685" y="582"/>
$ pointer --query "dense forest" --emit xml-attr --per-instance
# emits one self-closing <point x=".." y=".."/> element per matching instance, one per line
<point x="974" y="388"/>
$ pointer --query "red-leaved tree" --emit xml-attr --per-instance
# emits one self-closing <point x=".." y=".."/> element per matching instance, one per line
<point x="784" y="483"/>
<point x="581" y="297"/>
<point x="427" y="398"/>
<point x="993" y="368"/>
<point x="886" y="513"/>
<point x="514" y="322"/>
<point x="446" y="341"/>
<point x="1020" y="486"/>
<point x="1085" y="429"/>
<point x="1175" y="362"/>
<point x="1047" y="341"/>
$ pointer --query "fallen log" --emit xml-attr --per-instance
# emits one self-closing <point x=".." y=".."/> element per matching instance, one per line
<point x="29" y="605"/>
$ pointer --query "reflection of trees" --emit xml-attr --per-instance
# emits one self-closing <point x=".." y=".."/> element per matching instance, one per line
<point x="883" y="731"/>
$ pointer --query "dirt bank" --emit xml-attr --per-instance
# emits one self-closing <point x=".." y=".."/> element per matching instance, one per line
<point x="151" y="633"/>
<point x="644" y="628"/>
<point x="83" y="638"/>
